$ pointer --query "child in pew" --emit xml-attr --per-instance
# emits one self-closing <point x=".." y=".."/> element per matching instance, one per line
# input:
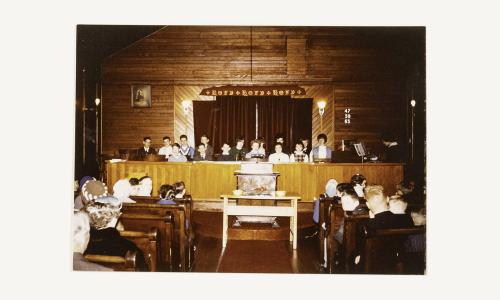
<point x="358" y="182"/>
<point x="134" y="182"/>
<point x="167" y="194"/>
<point x="104" y="237"/>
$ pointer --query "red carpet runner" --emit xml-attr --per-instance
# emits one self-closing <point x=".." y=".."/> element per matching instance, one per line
<point x="256" y="257"/>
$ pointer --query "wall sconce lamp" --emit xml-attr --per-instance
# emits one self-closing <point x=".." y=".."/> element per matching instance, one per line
<point x="321" y="107"/>
<point x="186" y="104"/>
<point x="97" y="101"/>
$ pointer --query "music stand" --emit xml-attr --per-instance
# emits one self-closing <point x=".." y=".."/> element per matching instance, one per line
<point x="360" y="150"/>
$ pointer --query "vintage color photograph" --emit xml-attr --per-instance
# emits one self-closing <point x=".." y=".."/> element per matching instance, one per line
<point x="270" y="149"/>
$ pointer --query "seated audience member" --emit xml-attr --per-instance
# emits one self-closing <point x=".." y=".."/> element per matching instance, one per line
<point x="381" y="216"/>
<point x="351" y="206"/>
<point x="122" y="190"/>
<point x="185" y="149"/>
<point x="179" y="189"/>
<point x="307" y="148"/>
<point x="208" y="148"/>
<point x="397" y="205"/>
<point x="167" y="194"/>
<point x="176" y="154"/>
<point x="80" y="200"/>
<point x="255" y="150"/>
<point x="418" y="216"/>
<point x="145" y="186"/>
<point x="330" y="191"/>
<point x="278" y="156"/>
<point x="134" y="182"/>
<point x="322" y="151"/>
<point x="104" y="237"/>
<point x="358" y="182"/>
<point x="146" y="148"/>
<point x="93" y="189"/>
<point x="167" y="147"/>
<point x="81" y="235"/>
<point x="239" y="151"/>
<point x="226" y="153"/>
<point x="392" y="150"/>
<point x="201" y="154"/>
<point x="298" y="154"/>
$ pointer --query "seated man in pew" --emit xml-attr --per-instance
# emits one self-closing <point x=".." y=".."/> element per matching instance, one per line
<point x="104" y="237"/>
<point x="81" y="235"/>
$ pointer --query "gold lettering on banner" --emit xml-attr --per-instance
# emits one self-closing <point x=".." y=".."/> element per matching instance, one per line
<point x="262" y="93"/>
<point x="281" y="92"/>
<point x="214" y="93"/>
<point x="287" y="92"/>
<point x="230" y="92"/>
<point x="225" y="93"/>
<point x="207" y="92"/>
<point x="219" y="93"/>
<point x="275" y="92"/>
<point x="256" y="92"/>
<point x="250" y="93"/>
<point x="238" y="93"/>
<point x="244" y="93"/>
<point x="268" y="93"/>
<point x="299" y="92"/>
<point x="292" y="92"/>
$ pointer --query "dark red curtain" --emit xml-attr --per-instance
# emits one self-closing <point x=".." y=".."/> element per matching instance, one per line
<point x="224" y="120"/>
<point x="284" y="115"/>
<point x="228" y="117"/>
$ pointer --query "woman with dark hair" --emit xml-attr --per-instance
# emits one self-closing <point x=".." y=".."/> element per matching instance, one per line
<point x="167" y="194"/>
<point x="322" y="151"/>
<point x="358" y="182"/>
<point x="179" y="189"/>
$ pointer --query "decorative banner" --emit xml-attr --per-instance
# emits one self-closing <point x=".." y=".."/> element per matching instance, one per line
<point x="231" y="90"/>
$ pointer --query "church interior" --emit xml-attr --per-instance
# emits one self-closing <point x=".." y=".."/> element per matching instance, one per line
<point x="250" y="149"/>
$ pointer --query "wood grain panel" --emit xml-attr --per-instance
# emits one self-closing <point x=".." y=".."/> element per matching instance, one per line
<point x="362" y="68"/>
<point x="125" y="127"/>
<point x="209" y="180"/>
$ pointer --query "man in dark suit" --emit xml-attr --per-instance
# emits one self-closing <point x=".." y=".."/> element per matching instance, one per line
<point x="383" y="218"/>
<point x="208" y="148"/>
<point x="392" y="149"/>
<point x="146" y="149"/>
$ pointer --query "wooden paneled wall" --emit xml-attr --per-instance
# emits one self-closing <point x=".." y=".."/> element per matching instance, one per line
<point x="349" y="67"/>
<point x="125" y="127"/>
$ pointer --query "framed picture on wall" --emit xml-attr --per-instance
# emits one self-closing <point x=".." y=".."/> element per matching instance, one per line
<point x="141" y="95"/>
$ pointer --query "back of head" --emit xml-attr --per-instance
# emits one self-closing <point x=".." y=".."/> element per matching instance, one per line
<point x="331" y="187"/>
<point x="376" y="200"/>
<point x="343" y="187"/>
<point x="397" y="205"/>
<point x="81" y="231"/>
<point x="145" y="186"/>
<point x="349" y="200"/>
<point x="166" y="192"/>
<point x="122" y="189"/>
<point x="104" y="212"/>
<point x="358" y="179"/>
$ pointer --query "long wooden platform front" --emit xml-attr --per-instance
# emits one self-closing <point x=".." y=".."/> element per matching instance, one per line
<point x="209" y="180"/>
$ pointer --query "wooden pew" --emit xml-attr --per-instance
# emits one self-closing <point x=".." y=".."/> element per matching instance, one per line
<point x="385" y="251"/>
<point x="183" y="233"/>
<point x="117" y="263"/>
<point x="327" y="205"/>
<point x="340" y="257"/>
<point x="148" y="243"/>
<point x="132" y="219"/>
